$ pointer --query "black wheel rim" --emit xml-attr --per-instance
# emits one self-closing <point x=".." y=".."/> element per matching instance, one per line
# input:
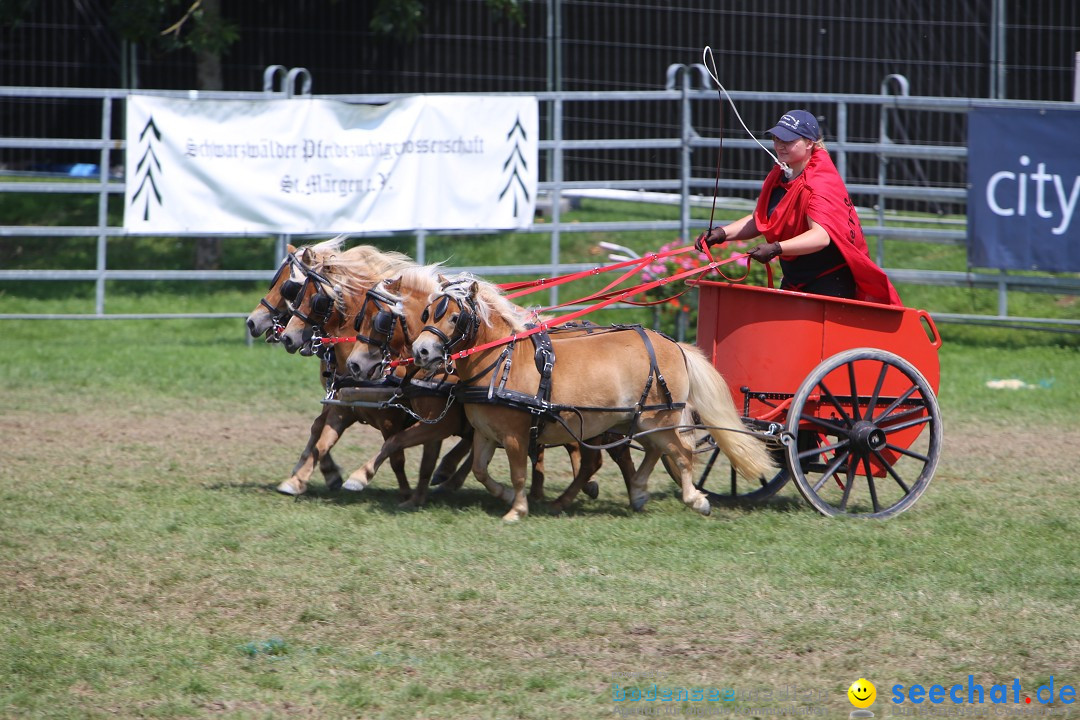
<point x="875" y="430"/>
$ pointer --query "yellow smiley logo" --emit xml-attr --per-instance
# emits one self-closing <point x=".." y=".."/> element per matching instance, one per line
<point x="862" y="693"/>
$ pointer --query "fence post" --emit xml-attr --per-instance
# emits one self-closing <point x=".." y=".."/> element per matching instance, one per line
<point x="1076" y="78"/>
<point x="883" y="160"/>
<point x="841" y="138"/>
<point x="103" y="206"/>
<point x="556" y="190"/>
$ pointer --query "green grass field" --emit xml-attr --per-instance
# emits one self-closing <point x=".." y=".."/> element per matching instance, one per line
<point x="148" y="568"/>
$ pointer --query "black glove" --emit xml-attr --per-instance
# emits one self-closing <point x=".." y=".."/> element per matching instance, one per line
<point x="715" y="236"/>
<point x="765" y="253"/>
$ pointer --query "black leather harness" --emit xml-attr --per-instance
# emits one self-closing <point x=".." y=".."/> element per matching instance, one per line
<point x="539" y="404"/>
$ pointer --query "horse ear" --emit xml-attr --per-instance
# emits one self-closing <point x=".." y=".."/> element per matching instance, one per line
<point x="290" y="249"/>
<point x="305" y="256"/>
<point x="393" y="284"/>
<point x="474" y="289"/>
<point x="442" y="279"/>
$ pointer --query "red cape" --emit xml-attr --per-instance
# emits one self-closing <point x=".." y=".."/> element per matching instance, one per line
<point x="820" y="194"/>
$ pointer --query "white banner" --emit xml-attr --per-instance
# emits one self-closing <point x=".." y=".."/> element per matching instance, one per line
<point x="307" y="165"/>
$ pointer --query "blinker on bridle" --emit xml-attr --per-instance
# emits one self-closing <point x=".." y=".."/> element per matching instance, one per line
<point x="382" y="323"/>
<point x="465" y="325"/>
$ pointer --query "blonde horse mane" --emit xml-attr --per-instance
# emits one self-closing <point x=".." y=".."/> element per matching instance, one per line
<point x="356" y="270"/>
<point x="426" y="279"/>
<point x="489" y="300"/>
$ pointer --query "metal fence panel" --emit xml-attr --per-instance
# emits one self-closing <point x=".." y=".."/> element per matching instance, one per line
<point x="573" y="162"/>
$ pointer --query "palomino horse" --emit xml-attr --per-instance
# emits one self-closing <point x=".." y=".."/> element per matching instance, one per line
<point x="269" y="317"/>
<point x="383" y="332"/>
<point x="322" y="305"/>
<point x="625" y="379"/>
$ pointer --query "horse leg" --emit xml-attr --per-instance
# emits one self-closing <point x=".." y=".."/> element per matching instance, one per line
<point x="397" y="464"/>
<point x="419" y="434"/>
<point x="639" y="483"/>
<point x="458" y="478"/>
<point x="589" y="462"/>
<point x="451" y="464"/>
<point x="325" y="431"/>
<point x="678" y="460"/>
<point x="427" y="465"/>
<point x="331" y="472"/>
<point x="483" y="451"/>
<point x="536" y="486"/>
<point x="621" y="455"/>
<point x="517" y="456"/>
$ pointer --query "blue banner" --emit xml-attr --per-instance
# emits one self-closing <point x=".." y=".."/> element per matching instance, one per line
<point x="1024" y="189"/>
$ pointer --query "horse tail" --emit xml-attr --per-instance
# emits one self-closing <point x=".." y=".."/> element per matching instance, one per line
<point x="711" y="398"/>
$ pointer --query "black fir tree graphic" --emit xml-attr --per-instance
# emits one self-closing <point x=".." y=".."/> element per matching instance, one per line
<point x="146" y="166"/>
<point x="515" y="161"/>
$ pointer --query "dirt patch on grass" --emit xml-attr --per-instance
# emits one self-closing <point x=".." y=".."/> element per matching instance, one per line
<point x="186" y="438"/>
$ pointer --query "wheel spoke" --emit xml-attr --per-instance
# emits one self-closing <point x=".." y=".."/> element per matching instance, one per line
<point x="854" y="393"/>
<point x="836" y="403"/>
<point x="877" y="391"/>
<point x="921" y="420"/>
<point x="896" y="403"/>
<point x="888" y="467"/>
<point x="870" y="483"/>
<point x="821" y="449"/>
<point x="830" y="471"/>
<point x="910" y="453"/>
<point x="708" y="467"/>
<point x="828" y="427"/>
<point x="847" y="488"/>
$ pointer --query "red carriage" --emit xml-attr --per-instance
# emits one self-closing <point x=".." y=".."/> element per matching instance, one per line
<point x="849" y="388"/>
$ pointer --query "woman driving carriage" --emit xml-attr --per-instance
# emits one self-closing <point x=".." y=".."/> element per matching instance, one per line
<point x="808" y="221"/>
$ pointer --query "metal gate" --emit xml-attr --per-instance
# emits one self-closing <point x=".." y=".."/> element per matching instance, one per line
<point x="686" y="98"/>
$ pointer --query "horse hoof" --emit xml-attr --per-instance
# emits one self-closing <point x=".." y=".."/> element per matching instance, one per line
<point x="437" y="480"/>
<point x="290" y="488"/>
<point x="638" y="503"/>
<point x="353" y="485"/>
<point x="507" y="495"/>
<point x="335" y="484"/>
<point x="702" y="506"/>
<point x="512" y="517"/>
<point x="592" y="489"/>
<point x="408" y="505"/>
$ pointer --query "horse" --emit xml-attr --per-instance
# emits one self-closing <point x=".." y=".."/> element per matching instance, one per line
<point x="269" y="317"/>
<point x="382" y="333"/>
<point x="321" y="308"/>
<point x="626" y="379"/>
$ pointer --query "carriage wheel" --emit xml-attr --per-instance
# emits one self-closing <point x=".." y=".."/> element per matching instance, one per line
<point x="735" y="488"/>
<point x="874" y="430"/>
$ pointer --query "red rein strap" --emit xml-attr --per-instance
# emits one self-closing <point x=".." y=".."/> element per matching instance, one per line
<point x="514" y="290"/>
<point x="608" y="298"/>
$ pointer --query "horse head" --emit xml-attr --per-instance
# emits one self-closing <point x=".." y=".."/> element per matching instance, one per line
<point x="451" y="321"/>
<point x="382" y="332"/>
<point x="318" y="309"/>
<point x="272" y="312"/>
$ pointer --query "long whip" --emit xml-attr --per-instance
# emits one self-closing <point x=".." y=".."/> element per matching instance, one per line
<point x="710" y="67"/>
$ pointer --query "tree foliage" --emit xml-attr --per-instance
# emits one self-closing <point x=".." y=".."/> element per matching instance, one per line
<point x="403" y="20"/>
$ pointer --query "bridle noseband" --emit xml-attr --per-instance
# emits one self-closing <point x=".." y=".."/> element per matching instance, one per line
<point x="320" y="308"/>
<point x="279" y="316"/>
<point x="465" y="329"/>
